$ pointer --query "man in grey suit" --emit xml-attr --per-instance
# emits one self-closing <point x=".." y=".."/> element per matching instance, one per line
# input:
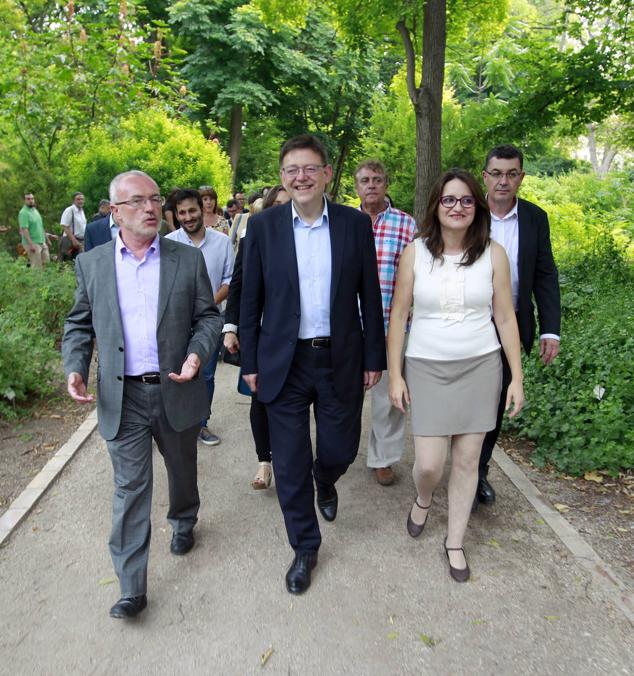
<point x="147" y="302"/>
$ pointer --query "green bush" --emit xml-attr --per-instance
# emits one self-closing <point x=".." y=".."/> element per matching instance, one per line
<point x="173" y="152"/>
<point x="32" y="310"/>
<point x="580" y="409"/>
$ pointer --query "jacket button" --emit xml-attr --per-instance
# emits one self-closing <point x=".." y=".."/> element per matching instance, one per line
<point x="119" y="378"/>
<point x="120" y="349"/>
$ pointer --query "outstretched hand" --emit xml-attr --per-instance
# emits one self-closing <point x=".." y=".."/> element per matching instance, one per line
<point x="190" y="368"/>
<point x="77" y="389"/>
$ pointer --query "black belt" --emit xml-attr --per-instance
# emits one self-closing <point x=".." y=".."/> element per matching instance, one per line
<point x="321" y="341"/>
<point x="153" y="378"/>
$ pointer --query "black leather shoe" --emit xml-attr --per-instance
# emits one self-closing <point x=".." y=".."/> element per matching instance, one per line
<point x="327" y="501"/>
<point x="128" y="607"/>
<point x="182" y="543"/>
<point x="298" y="575"/>
<point x="485" y="492"/>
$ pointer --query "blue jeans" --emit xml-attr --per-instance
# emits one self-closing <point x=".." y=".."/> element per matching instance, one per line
<point x="209" y="374"/>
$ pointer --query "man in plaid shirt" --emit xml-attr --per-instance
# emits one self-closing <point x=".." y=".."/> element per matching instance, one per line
<point x="393" y="231"/>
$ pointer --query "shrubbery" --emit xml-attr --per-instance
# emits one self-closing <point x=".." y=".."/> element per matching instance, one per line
<point x="580" y="409"/>
<point x="33" y="305"/>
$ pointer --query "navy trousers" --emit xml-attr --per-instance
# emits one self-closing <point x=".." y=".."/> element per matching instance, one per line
<point x="338" y="423"/>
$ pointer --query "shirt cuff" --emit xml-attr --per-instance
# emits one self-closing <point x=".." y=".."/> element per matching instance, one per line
<point x="230" y="328"/>
<point x="554" y="336"/>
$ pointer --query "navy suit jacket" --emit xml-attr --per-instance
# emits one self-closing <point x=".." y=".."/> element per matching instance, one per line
<point x="270" y="303"/>
<point x="97" y="232"/>
<point x="537" y="275"/>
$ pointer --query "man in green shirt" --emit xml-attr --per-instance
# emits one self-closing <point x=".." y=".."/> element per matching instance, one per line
<point x="32" y="231"/>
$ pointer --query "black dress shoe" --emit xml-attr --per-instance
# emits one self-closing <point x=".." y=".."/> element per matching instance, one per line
<point x="327" y="501"/>
<point x="182" y="543"/>
<point x="128" y="607"/>
<point x="485" y="492"/>
<point x="298" y="575"/>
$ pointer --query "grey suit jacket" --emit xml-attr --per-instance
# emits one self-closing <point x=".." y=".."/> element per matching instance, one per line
<point x="188" y="321"/>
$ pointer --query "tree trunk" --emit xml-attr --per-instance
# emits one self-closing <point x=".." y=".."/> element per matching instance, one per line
<point x="235" y="137"/>
<point x="428" y="103"/>
<point x="338" y="173"/>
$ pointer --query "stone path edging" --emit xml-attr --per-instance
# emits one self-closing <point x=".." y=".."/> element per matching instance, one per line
<point x="25" y="502"/>
<point x="601" y="573"/>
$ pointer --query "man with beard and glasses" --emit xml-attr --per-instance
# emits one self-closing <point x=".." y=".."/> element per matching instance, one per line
<point x="218" y="253"/>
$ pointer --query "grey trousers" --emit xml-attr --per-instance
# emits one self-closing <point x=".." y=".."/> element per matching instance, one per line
<point x="387" y="436"/>
<point x="143" y="419"/>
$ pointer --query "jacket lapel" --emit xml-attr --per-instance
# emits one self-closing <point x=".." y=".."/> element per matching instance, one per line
<point x="523" y="230"/>
<point x="287" y="246"/>
<point x="167" y="275"/>
<point x="337" y="228"/>
<point x="108" y="275"/>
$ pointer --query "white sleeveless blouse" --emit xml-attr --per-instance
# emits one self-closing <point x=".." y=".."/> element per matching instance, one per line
<point x="452" y="307"/>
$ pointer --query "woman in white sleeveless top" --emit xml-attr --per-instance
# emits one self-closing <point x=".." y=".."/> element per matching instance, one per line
<point x="457" y="279"/>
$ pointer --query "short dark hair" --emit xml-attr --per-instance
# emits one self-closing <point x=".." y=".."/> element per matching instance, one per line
<point x="505" y="152"/>
<point x="79" y="192"/>
<point x="28" y="192"/>
<point x="187" y="194"/>
<point x="304" y="141"/>
<point x="233" y="203"/>
<point x="477" y="236"/>
<point x="104" y="202"/>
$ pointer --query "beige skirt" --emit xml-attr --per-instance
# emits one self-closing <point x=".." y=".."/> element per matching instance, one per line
<point x="460" y="396"/>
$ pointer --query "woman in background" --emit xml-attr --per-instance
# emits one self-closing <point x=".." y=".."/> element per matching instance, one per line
<point x="457" y="279"/>
<point x="259" y="422"/>
<point x="212" y="215"/>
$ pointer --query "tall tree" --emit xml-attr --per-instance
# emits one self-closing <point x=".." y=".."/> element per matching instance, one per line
<point x="423" y="26"/>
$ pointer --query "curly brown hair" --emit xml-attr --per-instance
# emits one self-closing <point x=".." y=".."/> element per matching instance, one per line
<point x="478" y="234"/>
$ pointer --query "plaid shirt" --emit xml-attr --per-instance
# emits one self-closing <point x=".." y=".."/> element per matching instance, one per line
<point x="393" y="231"/>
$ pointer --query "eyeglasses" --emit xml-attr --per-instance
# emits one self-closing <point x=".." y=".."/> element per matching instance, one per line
<point x="308" y="169"/>
<point x="496" y="175"/>
<point x="466" y="202"/>
<point x="139" y="202"/>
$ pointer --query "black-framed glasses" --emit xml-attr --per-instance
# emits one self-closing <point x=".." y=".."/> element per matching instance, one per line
<point x="466" y="202"/>
<point x="308" y="169"/>
<point x="496" y="175"/>
<point x="139" y="202"/>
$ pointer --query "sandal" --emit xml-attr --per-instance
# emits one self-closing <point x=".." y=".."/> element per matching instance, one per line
<point x="263" y="476"/>
<point x="415" y="529"/>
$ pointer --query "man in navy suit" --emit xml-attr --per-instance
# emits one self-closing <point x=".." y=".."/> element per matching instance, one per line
<point x="100" y="231"/>
<point x="522" y="229"/>
<point x="311" y="333"/>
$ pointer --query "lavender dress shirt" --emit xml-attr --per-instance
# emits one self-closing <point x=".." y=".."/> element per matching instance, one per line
<point x="138" y="292"/>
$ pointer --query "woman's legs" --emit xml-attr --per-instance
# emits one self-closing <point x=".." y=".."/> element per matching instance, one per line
<point x="430" y="456"/>
<point x="465" y="451"/>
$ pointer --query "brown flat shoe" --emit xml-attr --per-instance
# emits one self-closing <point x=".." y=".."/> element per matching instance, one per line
<point x="458" y="574"/>
<point x="413" y="528"/>
<point x="263" y="476"/>
<point x="384" y="475"/>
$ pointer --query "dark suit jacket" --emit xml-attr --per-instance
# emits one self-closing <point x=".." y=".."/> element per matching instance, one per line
<point x="187" y="321"/>
<point x="270" y="295"/>
<point x="537" y="274"/>
<point x="232" y="309"/>
<point x="97" y="232"/>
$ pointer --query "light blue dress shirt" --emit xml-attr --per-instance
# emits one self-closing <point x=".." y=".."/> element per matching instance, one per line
<point x="314" y="268"/>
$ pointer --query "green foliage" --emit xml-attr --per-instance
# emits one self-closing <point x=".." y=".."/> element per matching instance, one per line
<point x="173" y="152"/>
<point x="580" y="409"/>
<point x="33" y="305"/>
<point x="65" y="69"/>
